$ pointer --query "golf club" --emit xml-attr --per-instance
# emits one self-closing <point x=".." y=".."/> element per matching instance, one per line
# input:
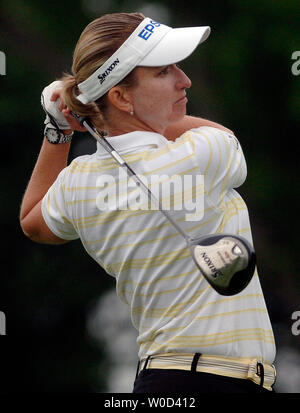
<point x="226" y="261"/>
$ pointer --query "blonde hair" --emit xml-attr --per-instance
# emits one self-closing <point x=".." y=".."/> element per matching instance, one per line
<point x="98" y="41"/>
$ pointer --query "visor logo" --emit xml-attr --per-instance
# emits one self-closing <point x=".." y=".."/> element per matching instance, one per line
<point x="108" y="71"/>
<point x="148" y="30"/>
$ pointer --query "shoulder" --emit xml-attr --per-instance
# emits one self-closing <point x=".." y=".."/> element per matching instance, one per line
<point x="208" y="131"/>
<point x="80" y="163"/>
<point x="203" y="136"/>
<point x="213" y="137"/>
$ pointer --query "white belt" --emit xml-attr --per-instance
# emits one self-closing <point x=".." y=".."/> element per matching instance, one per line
<point x="253" y="369"/>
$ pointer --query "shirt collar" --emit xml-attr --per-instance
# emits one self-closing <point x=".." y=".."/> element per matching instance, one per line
<point x="129" y="142"/>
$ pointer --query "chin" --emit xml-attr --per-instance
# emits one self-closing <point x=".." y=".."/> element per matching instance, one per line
<point x="179" y="116"/>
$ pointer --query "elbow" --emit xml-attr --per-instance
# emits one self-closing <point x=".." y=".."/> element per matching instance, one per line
<point x="26" y="225"/>
<point x="29" y="230"/>
<point x="38" y="232"/>
<point x="34" y="227"/>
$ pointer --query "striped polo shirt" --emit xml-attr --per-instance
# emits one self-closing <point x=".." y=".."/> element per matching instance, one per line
<point x="172" y="306"/>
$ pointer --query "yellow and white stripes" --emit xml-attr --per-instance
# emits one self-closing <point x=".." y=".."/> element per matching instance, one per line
<point x="172" y="306"/>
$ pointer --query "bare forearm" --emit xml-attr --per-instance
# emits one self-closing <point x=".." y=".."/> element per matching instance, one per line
<point x="191" y="122"/>
<point x="51" y="160"/>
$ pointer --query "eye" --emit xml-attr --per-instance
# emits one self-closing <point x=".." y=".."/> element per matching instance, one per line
<point x="164" y="71"/>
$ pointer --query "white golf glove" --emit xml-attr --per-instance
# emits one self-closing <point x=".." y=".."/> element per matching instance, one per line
<point x="53" y="114"/>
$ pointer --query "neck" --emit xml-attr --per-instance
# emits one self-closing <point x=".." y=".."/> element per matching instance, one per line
<point x="126" y="123"/>
<point x="130" y="128"/>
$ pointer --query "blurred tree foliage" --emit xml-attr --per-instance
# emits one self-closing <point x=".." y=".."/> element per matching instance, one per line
<point x="241" y="77"/>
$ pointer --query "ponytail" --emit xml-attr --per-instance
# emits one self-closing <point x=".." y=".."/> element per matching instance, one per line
<point x="98" y="41"/>
<point x="91" y="110"/>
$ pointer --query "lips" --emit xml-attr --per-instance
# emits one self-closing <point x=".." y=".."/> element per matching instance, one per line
<point x="183" y="99"/>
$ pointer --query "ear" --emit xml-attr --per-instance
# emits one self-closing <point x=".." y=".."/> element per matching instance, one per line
<point x="120" y="98"/>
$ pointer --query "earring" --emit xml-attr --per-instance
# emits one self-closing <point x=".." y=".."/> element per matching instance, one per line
<point x="131" y="112"/>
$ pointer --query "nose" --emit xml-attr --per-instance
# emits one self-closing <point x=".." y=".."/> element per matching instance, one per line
<point x="184" y="82"/>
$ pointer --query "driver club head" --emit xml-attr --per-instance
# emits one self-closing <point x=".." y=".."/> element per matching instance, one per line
<point x="226" y="261"/>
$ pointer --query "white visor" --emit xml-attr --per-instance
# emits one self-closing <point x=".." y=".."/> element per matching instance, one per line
<point x="151" y="44"/>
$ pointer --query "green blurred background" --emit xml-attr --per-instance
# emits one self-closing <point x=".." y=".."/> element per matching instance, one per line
<point x="242" y="77"/>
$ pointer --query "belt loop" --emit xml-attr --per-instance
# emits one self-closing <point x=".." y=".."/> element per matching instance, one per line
<point x="139" y="365"/>
<point x="146" y="362"/>
<point x="137" y="370"/>
<point x="260" y="371"/>
<point x="195" y="362"/>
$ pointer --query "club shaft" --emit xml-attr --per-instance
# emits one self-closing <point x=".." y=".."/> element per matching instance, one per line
<point x="109" y="148"/>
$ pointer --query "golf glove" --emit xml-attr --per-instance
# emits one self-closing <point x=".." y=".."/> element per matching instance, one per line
<point x="53" y="114"/>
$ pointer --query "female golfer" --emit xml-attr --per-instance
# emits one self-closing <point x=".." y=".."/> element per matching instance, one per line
<point x="127" y="82"/>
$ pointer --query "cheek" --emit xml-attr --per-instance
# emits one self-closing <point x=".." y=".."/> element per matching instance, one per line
<point x="151" y="105"/>
<point x="153" y="102"/>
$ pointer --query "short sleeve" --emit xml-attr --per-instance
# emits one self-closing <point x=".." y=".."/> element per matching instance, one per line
<point x="222" y="161"/>
<point x="55" y="212"/>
